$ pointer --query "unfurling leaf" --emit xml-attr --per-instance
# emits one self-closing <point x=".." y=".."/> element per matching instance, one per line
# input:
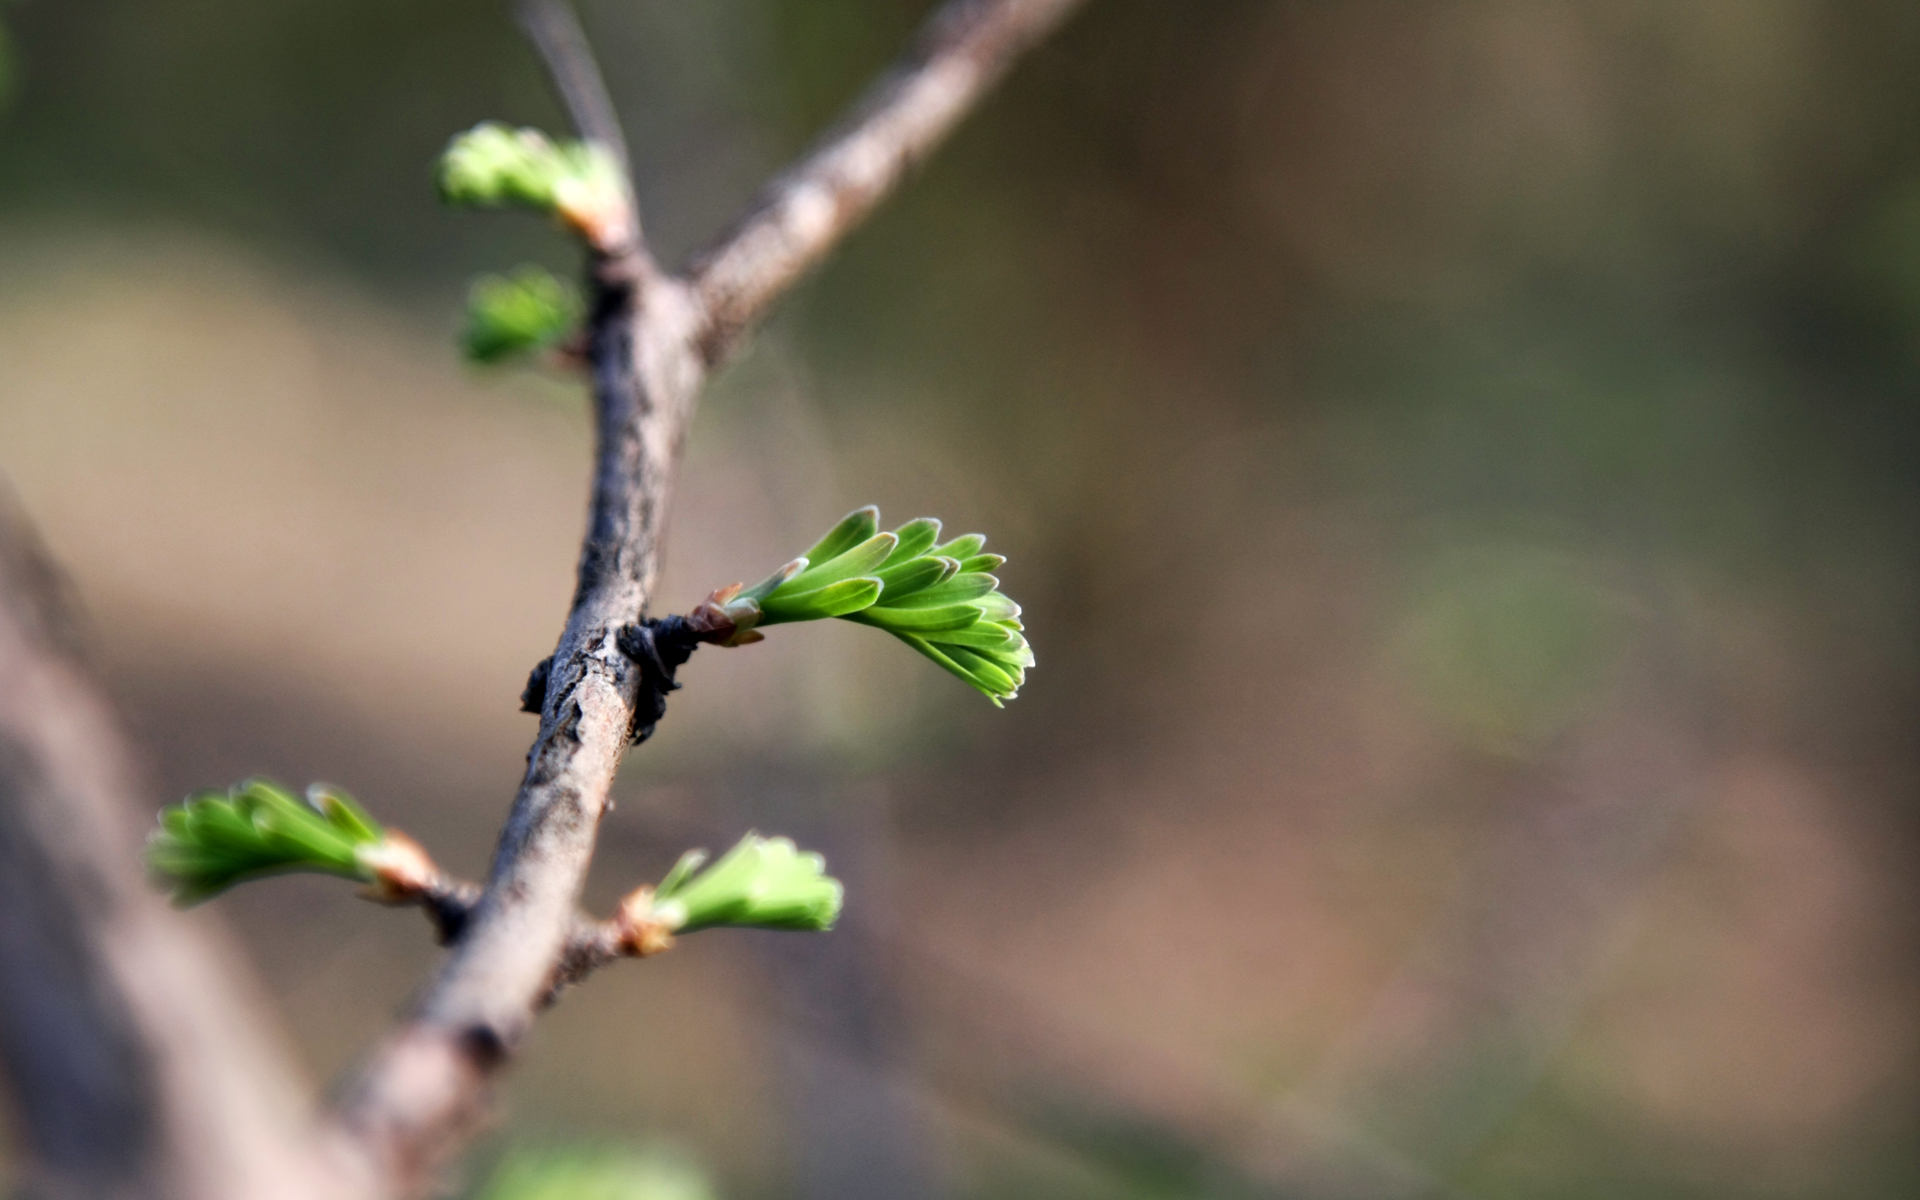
<point x="492" y="166"/>
<point x="217" y="839"/>
<point x="939" y="599"/>
<point x="514" y="314"/>
<point x="764" y="883"/>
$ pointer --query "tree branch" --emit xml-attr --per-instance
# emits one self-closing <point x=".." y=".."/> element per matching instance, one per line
<point x="651" y="339"/>
<point x="591" y="944"/>
<point x="423" y="1090"/>
<point x="805" y="211"/>
<point x="142" y="1066"/>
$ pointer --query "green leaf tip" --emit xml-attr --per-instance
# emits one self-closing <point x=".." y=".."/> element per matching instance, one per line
<point x="763" y="883"/>
<point x="494" y="166"/>
<point x="509" y="315"/>
<point x="938" y="598"/>
<point x="214" y="840"/>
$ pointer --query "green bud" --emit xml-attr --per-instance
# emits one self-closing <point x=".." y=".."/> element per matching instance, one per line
<point x="217" y="839"/>
<point x="526" y="311"/>
<point x="940" y="599"/>
<point x="766" y="883"/>
<point x="492" y="166"/>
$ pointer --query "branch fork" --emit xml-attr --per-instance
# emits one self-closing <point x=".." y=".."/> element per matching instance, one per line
<point x="650" y="338"/>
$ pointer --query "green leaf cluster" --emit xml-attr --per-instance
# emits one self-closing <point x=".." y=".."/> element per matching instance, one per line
<point x="939" y="598"/>
<point x="763" y="882"/>
<point x="217" y="839"/>
<point x="514" y="314"/>
<point x="491" y="166"/>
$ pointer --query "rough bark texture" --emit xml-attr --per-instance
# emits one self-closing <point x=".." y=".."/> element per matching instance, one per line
<point x="129" y="1037"/>
<point x="652" y="340"/>
<point x="421" y="1092"/>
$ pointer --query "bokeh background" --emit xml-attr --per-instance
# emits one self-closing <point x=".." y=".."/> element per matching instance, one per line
<point x="1457" y="459"/>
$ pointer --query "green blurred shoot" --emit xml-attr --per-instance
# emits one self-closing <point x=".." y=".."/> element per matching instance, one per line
<point x="937" y="597"/>
<point x="762" y="883"/>
<point x="217" y="839"/>
<point x="492" y="166"/>
<point x="595" y="1174"/>
<point x="516" y="314"/>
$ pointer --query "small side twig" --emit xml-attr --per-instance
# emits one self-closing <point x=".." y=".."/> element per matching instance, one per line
<point x="960" y="54"/>
<point x="448" y="903"/>
<point x="555" y="32"/>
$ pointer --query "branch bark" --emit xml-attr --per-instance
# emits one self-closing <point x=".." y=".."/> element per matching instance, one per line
<point x="449" y="904"/>
<point x="652" y="338"/>
<point x="129" y="1036"/>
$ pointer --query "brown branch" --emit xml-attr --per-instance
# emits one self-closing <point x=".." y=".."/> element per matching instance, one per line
<point x="651" y="339"/>
<point x="425" y="1087"/>
<point x="804" y="212"/>
<point x="591" y="944"/>
<point x="140" y="1062"/>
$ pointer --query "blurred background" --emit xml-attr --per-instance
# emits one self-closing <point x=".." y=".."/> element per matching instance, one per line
<point x="1457" y="460"/>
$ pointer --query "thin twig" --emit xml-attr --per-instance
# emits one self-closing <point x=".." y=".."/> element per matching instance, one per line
<point x="591" y="944"/>
<point x="127" y="1031"/>
<point x="805" y="211"/>
<point x="555" y="32"/>
<point x="651" y="339"/>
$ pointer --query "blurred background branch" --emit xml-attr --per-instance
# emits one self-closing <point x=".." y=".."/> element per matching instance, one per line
<point x="135" y="1046"/>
